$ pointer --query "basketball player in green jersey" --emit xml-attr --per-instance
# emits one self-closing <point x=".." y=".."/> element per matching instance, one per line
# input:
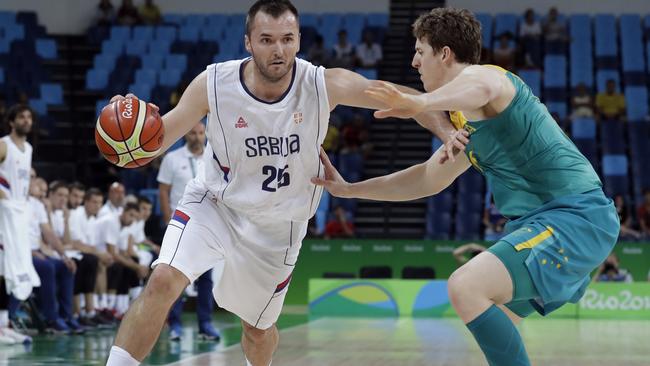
<point x="561" y="224"/>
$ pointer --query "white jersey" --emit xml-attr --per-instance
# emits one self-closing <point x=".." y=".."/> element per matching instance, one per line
<point x="261" y="156"/>
<point x="177" y="169"/>
<point x="14" y="171"/>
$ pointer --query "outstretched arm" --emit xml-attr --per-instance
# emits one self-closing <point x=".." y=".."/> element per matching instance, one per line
<point x="189" y="111"/>
<point x="421" y="180"/>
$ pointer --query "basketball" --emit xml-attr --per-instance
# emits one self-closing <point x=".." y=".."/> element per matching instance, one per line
<point x="129" y="133"/>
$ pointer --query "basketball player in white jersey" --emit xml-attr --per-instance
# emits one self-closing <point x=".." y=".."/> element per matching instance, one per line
<point x="16" y="266"/>
<point x="250" y="203"/>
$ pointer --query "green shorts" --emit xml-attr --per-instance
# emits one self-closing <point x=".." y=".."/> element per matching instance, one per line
<point x="522" y="284"/>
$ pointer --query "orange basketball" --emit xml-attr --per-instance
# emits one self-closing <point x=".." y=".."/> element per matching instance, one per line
<point x="129" y="133"/>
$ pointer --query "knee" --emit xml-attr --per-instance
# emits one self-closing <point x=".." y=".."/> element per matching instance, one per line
<point x="256" y="335"/>
<point x="165" y="282"/>
<point x="459" y="286"/>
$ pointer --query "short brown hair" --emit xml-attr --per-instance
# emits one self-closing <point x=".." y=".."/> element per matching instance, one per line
<point x="274" y="8"/>
<point x="457" y="29"/>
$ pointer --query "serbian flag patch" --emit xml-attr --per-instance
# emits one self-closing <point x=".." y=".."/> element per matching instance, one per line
<point x="180" y="217"/>
<point x="284" y="284"/>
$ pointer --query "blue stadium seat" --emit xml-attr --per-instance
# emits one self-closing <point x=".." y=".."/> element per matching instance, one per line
<point x="606" y="35"/>
<point x="143" y="32"/>
<point x="351" y="166"/>
<point x="2" y="76"/>
<point x="170" y="77"/>
<point x="468" y="226"/>
<point x="195" y="19"/>
<point x="615" y="165"/>
<point x="555" y="71"/>
<point x="220" y="21"/>
<point x="4" y="45"/>
<point x="14" y="32"/>
<point x="486" y="29"/>
<point x="52" y="93"/>
<point x="601" y="79"/>
<point x="152" y="61"/>
<point x="557" y="107"/>
<point x="583" y="128"/>
<point x="580" y="27"/>
<point x="354" y="20"/>
<point x="581" y="63"/>
<point x="39" y="106"/>
<point x="225" y="56"/>
<point x="136" y="47"/>
<point x="105" y="61"/>
<point x="505" y="23"/>
<point x="176" y="62"/>
<point x="612" y="138"/>
<point x="632" y="44"/>
<point x="142" y="91"/>
<point x="120" y="33"/>
<point x="146" y="76"/>
<point x="209" y="33"/>
<point x="331" y="21"/>
<point x="165" y="33"/>
<point x="97" y="79"/>
<point x="115" y="47"/>
<point x="189" y="33"/>
<point x="174" y="19"/>
<point x="439" y="226"/>
<point x="370" y="74"/>
<point x="46" y="48"/>
<point x="532" y="78"/>
<point x="7" y="18"/>
<point x="589" y="149"/>
<point x="309" y="20"/>
<point x="160" y="47"/>
<point x="237" y="20"/>
<point x="469" y="202"/>
<point x="377" y="19"/>
<point x="636" y="100"/>
<point x="99" y="105"/>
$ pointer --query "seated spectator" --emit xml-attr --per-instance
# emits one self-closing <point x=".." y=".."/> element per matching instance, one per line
<point x="150" y="13"/>
<point x="55" y="269"/>
<point x="115" y="202"/>
<point x="643" y="214"/>
<point x="460" y="253"/>
<point x="317" y="53"/>
<point x="504" y="53"/>
<point x="343" y="52"/>
<point x="554" y="29"/>
<point x="105" y="15"/>
<point x="493" y="221"/>
<point x="77" y="193"/>
<point x="611" y="270"/>
<point x="582" y="103"/>
<point x="610" y="105"/>
<point x="341" y="224"/>
<point x="369" y="52"/>
<point x="128" y="14"/>
<point x="627" y="232"/>
<point x="530" y="35"/>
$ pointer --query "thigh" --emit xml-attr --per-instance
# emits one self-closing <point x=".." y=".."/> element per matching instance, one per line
<point x="192" y="241"/>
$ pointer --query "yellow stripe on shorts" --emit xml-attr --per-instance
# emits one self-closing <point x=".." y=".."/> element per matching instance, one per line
<point x="530" y="243"/>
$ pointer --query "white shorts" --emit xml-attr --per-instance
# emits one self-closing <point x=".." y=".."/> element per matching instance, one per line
<point x="258" y="254"/>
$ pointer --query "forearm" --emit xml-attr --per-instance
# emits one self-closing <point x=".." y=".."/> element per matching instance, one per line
<point x="165" y="209"/>
<point x="405" y="185"/>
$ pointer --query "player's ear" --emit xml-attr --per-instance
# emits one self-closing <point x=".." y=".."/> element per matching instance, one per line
<point x="247" y="43"/>
<point x="446" y="53"/>
<point x="298" y="39"/>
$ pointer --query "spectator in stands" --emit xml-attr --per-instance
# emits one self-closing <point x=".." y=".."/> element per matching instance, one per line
<point x="55" y="269"/>
<point x="460" y="253"/>
<point x="128" y="14"/>
<point x="83" y="236"/>
<point x="341" y="224"/>
<point x="115" y="202"/>
<point x="493" y="221"/>
<point x="582" y="103"/>
<point x="611" y="270"/>
<point x="150" y="13"/>
<point x="105" y="15"/>
<point x="530" y="37"/>
<point x="504" y="54"/>
<point x="317" y="53"/>
<point x="3" y="111"/>
<point x="554" y="29"/>
<point x="343" y="52"/>
<point x="627" y="232"/>
<point x="77" y="193"/>
<point x="369" y="52"/>
<point x="610" y="105"/>
<point x="643" y="214"/>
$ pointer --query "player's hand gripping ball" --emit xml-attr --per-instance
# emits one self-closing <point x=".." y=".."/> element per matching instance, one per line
<point x="129" y="132"/>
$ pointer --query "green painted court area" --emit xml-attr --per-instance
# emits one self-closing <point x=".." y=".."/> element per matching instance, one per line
<point x="356" y="341"/>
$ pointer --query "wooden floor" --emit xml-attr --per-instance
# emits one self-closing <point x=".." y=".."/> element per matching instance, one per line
<point x="412" y="342"/>
<point x="363" y="342"/>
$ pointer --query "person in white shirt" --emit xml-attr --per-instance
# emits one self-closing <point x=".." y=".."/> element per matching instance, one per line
<point x="116" y="199"/>
<point x="177" y="169"/>
<point x="77" y="193"/>
<point x="115" y="233"/>
<point x="17" y="273"/>
<point x="343" y="52"/>
<point x="82" y="234"/>
<point x="369" y="52"/>
<point x="530" y="37"/>
<point x="55" y="268"/>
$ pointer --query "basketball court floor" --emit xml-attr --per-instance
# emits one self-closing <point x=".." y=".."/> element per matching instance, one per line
<point x="361" y="342"/>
